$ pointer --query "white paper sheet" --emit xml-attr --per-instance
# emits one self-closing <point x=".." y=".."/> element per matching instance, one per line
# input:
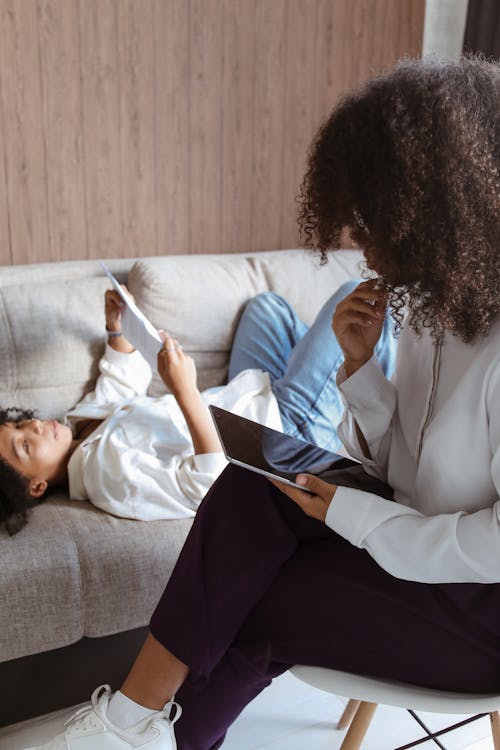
<point x="136" y="327"/>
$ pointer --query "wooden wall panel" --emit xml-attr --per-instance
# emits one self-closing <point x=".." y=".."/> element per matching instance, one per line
<point x="5" y="244"/>
<point x="98" y="28"/>
<point x="268" y="122"/>
<point x="238" y="101"/>
<point x="59" y="45"/>
<point x="25" y="174"/>
<point x="205" y="127"/>
<point x="137" y="121"/>
<point x="172" y="147"/>
<point x="300" y="117"/>
<point x="142" y="127"/>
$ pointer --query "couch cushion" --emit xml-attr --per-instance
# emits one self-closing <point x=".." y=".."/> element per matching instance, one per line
<point x="41" y="591"/>
<point x="51" y="333"/>
<point x="76" y="571"/>
<point x="199" y="298"/>
<point x="124" y="565"/>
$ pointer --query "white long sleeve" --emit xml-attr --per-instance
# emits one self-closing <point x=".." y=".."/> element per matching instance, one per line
<point x="145" y="485"/>
<point x="447" y="548"/>
<point x="121" y="377"/>
<point x="445" y="523"/>
<point x="139" y="462"/>
<point x="370" y="401"/>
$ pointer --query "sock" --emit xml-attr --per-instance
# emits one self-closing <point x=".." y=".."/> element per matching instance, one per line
<point x="124" y="712"/>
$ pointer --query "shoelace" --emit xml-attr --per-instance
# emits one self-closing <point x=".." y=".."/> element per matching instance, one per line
<point x="165" y="713"/>
<point x="80" y="720"/>
<point x="169" y="706"/>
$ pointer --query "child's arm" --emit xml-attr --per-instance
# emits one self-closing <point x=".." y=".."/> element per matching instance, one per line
<point x="178" y="372"/>
<point x="123" y="371"/>
<point x="113" y="305"/>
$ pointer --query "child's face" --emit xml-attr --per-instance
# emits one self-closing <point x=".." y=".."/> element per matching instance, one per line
<point x="37" y="449"/>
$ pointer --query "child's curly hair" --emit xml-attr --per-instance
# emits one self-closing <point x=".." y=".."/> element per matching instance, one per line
<point x="15" y="499"/>
<point x="410" y="164"/>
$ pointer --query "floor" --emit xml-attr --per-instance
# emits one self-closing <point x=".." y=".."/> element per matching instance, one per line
<point x="292" y="716"/>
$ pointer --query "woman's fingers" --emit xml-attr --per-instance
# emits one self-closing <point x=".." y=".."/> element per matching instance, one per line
<point x="361" y="306"/>
<point x="314" y="505"/>
<point x="355" y="313"/>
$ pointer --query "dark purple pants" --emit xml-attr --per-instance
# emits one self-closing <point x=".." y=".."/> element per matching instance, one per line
<point x="260" y="586"/>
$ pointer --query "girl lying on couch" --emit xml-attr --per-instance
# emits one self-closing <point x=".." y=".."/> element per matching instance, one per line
<point x="151" y="458"/>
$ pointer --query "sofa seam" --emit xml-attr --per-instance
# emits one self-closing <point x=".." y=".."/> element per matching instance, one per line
<point x="67" y="526"/>
<point x="11" y="365"/>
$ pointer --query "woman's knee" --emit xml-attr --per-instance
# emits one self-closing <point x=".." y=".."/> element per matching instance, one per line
<point x="344" y="290"/>
<point x="267" y="302"/>
<point x="326" y="312"/>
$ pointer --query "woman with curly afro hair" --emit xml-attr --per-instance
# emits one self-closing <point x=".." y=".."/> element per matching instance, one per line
<point x="411" y="165"/>
<point x="409" y="588"/>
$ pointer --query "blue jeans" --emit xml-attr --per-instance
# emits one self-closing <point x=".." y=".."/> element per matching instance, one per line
<point x="302" y="362"/>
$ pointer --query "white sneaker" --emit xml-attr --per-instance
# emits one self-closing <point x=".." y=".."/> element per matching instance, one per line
<point x="90" y="729"/>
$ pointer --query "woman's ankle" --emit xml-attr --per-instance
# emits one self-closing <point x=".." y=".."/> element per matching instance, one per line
<point x="155" y="676"/>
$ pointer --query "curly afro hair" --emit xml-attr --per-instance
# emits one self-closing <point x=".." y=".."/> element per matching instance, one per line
<point x="410" y="165"/>
<point x="15" y="499"/>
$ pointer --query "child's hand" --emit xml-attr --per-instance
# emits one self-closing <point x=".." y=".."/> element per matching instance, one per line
<point x="177" y="370"/>
<point x="113" y="305"/>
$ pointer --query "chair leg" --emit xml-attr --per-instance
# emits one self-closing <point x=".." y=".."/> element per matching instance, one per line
<point x="348" y="714"/>
<point x="359" y="726"/>
<point x="495" y="729"/>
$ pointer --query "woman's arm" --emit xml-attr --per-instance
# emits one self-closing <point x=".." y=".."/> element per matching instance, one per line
<point x="366" y="426"/>
<point x="369" y="397"/>
<point x="446" y="548"/>
<point x="178" y="372"/>
<point x="459" y="547"/>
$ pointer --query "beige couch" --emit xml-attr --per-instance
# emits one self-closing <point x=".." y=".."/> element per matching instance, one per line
<point x="77" y="586"/>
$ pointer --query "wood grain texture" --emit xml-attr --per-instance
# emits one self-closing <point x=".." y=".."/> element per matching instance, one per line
<point x="300" y="121"/>
<point x="98" y="28"/>
<point x="172" y="113"/>
<point x="268" y="122"/>
<point x="238" y="101"/>
<point x="62" y="124"/>
<point x="24" y="174"/>
<point x="5" y="244"/>
<point x="143" y="127"/>
<point x="137" y="100"/>
<point x="205" y="126"/>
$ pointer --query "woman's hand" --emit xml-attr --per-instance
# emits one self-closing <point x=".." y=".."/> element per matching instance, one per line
<point x="357" y="323"/>
<point x="113" y="305"/>
<point x="177" y="370"/>
<point x="315" y="505"/>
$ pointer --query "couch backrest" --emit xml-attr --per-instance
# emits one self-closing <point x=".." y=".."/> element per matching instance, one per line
<point x="52" y="317"/>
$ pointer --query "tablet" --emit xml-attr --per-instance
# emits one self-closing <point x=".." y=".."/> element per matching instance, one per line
<point x="278" y="456"/>
<point x="269" y="452"/>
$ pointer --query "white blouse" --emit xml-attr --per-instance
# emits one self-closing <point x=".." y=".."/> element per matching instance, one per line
<point x="139" y="462"/>
<point x="434" y="436"/>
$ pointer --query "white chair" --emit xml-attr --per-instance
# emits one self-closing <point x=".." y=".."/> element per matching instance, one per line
<point x="369" y="692"/>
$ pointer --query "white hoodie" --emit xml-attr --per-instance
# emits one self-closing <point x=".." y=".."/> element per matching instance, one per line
<point x="139" y="462"/>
